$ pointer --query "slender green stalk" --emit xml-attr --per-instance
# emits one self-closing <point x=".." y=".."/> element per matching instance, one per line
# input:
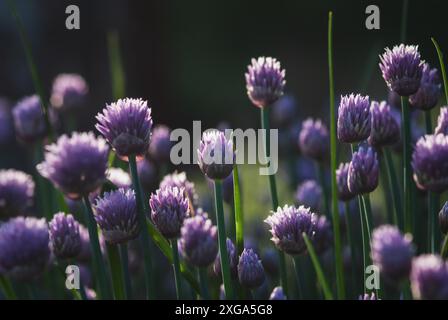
<point x="350" y="240"/>
<point x="394" y="187"/>
<point x="144" y="237"/>
<point x="442" y="68"/>
<point x="32" y="67"/>
<point x="365" y="241"/>
<point x="43" y="190"/>
<point x="317" y="267"/>
<point x="334" y="189"/>
<point x="225" y="265"/>
<point x="407" y="164"/>
<point x="321" y="175"/>
<point x="404" y="21"/>
<point x="444" y="251"/>
<point x="202" y="274"/>
<point x="239" y="218"/>
<point x="299" y="277"/>
<point x="176" y="269"/>
<point x="274" y="197"/>
<point x="98" y="262"/>
<point x="115" y="271"/>
<point x="7" y="289"/>
<point x="125" y="268"/>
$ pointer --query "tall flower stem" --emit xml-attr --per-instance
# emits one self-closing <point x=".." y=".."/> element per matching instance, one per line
<point x="442" y="68"/>
<point x="7" y="288"/>
<point x="444" y="251"/>
<point x="317" y="267"/>
<point x="299" y="277"/>
<point x="176" y="268"/>
<point x="407" y="164"/>
<point x="224" y="257"/>
<point x="98" y="262"/>
<point x="202" y="273"/>
<point x="125" y="269"/>
<point x="350" y="240"/>
<point x="115" y="271"/>
<point x="239" y="218"/>
<point x="433" y="201"/>
<point x="144" y="237"/>
<point x="321" y="175"/>
<point x="274" y="197"/>
<point x="394" y="187"/>
<point x="334" y="189"/>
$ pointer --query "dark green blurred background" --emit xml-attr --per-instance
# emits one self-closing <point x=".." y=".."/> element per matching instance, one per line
<point x="188" y="58"/>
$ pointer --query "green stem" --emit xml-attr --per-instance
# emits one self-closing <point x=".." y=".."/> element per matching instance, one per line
<point x="350" y="240"/>
<point x="317" y="267"/>
<point x="407" y="164"/>
<point x="239" y="218"/>
<point x="274" y="197"/>
<point x="176" y="268"/>
<point x="442" y="68"/>
<point x="394" y="187"/>
<point x="115" y="271"/>
<point x="404" y="21"/>
<point x="334" y="190"/>
<point x="33" y="68"/>
<point x="365" y="242"/>
<point x="444" y="251"/>
<point x="321" y="175"/>
<point x="98" y="262"/>
<point x="224" y="257"/>
<point x="125" y="268"/>
<point x="144" y="237"/>
<point x="299" y="278"/>
<point x="202" y="273"/>
<point x="7" y="288"/>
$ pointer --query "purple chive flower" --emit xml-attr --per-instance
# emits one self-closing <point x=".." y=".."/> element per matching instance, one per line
<point x="77" y="164"/>
<point x="169" y="209"/>
<point x="147" y="174"/>
<point x="384" y="130"/>
<point x="402" y="69"/>
<point x="233" y="260"/>
<point x="353" y="118"/>
<point x="69" y="91"/>
<point x="250" y="270"/>
<point x="429" y="278"/>
<point x="443" y="218"/>
<point x="284" y="110"/>
<point x="6" y="123"/>
<point x="277" y="294"/>
<point x="428" y="94"/>
<point x="29" y="121"/>
<point x="65" y="240"/>
<point x="367" y="296"/>
<point x="309" y="194"/>
<point x="199" y="241"/>
<point x="24" y="248"/>
<point x="323" y="236"/>
<point x="126" y="124"/>
<point x="363" y="171"/>
<point x="116" y="215"/>
<point x="314" y="141"/>
<point x="160" y="146"/>
<point x="344" y="194"/>
<point x="442" y="122"/>
<point x="430" y="163"/>
<point x="287" y="225"/>
<point x="180" y="181"/>
<point x="16" y="193"/>
<point x="392" y="252"/>
<point x="215" y="155"/>
<point x="119" y="178"/>
<point x="265" y="81"/>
